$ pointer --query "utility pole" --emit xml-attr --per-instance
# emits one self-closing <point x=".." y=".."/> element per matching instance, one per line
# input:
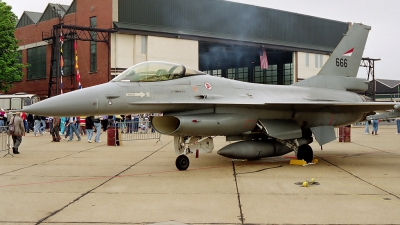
<point x="370" y="64"/>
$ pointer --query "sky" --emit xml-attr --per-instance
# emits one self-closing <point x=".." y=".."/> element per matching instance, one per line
<point x="381" y="15"/>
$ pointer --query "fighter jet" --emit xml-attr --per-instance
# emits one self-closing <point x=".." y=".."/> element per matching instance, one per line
<point x="385" y="115"/>
<point x="261" y="120"/>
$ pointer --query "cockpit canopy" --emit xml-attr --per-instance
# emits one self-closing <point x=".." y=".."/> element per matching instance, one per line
<point x="152" y="71"/>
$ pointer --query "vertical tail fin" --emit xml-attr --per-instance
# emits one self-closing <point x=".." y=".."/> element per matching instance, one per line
<point x="345" y="59"/>
<point x="340" y="71"/>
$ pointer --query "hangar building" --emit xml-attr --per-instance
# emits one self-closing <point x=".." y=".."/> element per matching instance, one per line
<point x="102" y="38"/>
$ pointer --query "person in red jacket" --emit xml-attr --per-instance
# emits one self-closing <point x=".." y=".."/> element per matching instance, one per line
<point x="24" y="118"/>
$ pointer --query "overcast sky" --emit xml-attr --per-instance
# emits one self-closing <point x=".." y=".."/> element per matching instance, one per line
<point x="381" y="15"/>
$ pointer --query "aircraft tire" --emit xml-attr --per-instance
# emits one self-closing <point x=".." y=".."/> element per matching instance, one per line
<point x="182" y="162"/>
<point x="305" y="152"/>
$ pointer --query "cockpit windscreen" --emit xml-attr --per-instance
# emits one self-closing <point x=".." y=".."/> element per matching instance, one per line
<point x="155" y="71"/>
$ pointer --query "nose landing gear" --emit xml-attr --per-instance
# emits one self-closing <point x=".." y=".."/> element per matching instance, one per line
<point x="182" y="162"/>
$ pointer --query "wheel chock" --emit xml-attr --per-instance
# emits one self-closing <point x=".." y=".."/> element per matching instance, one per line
<point x="302" y="162"/>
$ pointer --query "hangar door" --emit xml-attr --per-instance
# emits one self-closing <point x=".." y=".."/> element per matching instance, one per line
<point x="240" y="62"/>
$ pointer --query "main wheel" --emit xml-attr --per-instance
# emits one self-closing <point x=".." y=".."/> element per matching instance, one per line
<point x="305" y="153"/>
<point x="182" y="162"/>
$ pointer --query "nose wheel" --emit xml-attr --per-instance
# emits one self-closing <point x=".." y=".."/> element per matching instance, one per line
<point x="182" y="162"/>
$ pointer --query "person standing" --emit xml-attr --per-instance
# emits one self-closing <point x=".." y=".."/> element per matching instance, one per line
<point x="97" y="125"/>
<point x="129" y="126"/>
<point x="36" y="128"/>
<point x="73" y="128"/>
<point x="24" y="118"/>
<point x="31" y="122"/>
<point x="62" y="125"/>
<point x="2" y="127"/>
<point x="19" y="131"/>
<point x="366" y="130"/>
<point x="398" y="125"/>
<point x="43" y="124"/>
<point x="375" y="123"/>
<point x="136" y="121"/>
<point x="56" y="130"/>
<point x="82" y="125"/>
<point x="104" y="122"/>
<point x="89" y="128"/>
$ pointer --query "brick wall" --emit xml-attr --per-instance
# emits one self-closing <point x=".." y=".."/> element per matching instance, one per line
<point x="32" y="34"/>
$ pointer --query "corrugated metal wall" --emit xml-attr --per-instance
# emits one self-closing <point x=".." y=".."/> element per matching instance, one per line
<point x="24" y="21"/>
<point x="72" y="8"/>
<point x="235" y="20"/>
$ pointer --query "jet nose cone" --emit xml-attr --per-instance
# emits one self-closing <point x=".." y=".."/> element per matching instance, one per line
<point x="76" y="103"/>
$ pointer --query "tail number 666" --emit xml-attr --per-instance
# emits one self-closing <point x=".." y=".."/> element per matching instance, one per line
<point x="341" y="62"/>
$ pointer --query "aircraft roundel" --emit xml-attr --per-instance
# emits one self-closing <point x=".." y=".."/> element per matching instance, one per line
<point x="207" y="86"/>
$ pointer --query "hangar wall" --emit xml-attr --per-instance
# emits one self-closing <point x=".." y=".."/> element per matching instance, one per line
<point x="309" y="64"/>
<point x="174" y="50"/>
<point x="128" y="50"/>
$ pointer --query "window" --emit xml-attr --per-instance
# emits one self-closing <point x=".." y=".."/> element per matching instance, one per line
<point x="217" y="73"/>
<point x="316" y="61"/>
<point x="144" y="44"/>
<point x="68" y="54"/>
<point x="321" y="61"/>
<point x="232" y="73"/>
<point x="93" y="46"/>
<point x="243" y="74"/>
<point x="271" y="74"/>
<point x="37" y="62"/>
<point x="266" y="76"/>
<point x="307" y="60"/>
<point x="258" y="75"/>
<point x="288" y="74"/>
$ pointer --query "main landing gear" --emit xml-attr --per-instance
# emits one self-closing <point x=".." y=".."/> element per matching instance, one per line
<point x="305" y="153"/>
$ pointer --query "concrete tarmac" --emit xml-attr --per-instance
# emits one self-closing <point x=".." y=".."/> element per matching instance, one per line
<point x="137" y="183"/>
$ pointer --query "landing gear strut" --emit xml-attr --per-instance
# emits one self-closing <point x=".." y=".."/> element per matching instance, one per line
<point x="183" y="144"/>
<point x="305" y="152"/>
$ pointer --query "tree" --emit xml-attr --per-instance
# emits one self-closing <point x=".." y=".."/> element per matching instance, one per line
<point x="10" y="67"/>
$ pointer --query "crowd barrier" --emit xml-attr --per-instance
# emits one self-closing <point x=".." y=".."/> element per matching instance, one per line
<point x="5" y="141"/>
<point x="131" y="131"/>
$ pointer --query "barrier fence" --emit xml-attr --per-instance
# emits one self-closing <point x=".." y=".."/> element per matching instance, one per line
<point x="131" y="131"/>
<point x="5" y="141"/>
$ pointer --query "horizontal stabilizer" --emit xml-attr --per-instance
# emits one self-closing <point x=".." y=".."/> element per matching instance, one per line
<point x="336" y="83"/>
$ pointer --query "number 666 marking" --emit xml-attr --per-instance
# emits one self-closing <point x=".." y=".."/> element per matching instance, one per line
<point x="341" y="62"/>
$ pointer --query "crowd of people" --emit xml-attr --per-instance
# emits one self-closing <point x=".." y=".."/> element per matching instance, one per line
<point x="375" y="126"/>
<point x="64" y="128"/>
<point x="83" y="125"/>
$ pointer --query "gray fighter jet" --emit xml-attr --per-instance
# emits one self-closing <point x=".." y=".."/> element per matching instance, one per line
<point x="262" y="120"/>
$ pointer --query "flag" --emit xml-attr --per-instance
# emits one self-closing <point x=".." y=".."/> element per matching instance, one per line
<point x="61" y="85"/>
<point x="263" y="59"/>
<point x="78" y="75"/>
<point x="78" y="78"/>
<point x="61" y="62"/>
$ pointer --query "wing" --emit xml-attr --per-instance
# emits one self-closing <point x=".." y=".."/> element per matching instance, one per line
<point x="331" y="107"/>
